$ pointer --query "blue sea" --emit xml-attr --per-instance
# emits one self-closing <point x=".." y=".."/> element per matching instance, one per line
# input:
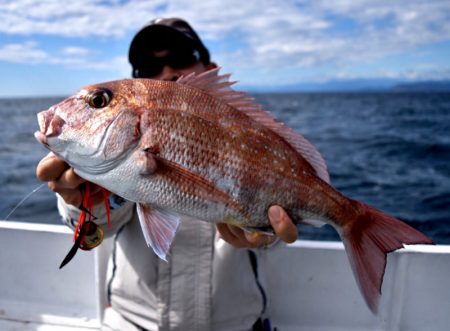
<point x="391" y="150"/>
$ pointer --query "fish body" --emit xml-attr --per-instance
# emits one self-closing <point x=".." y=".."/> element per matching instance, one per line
<point x="197" y="149"/>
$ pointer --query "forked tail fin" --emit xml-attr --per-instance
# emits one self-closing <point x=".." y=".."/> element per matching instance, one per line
<point x="367" y="241"/>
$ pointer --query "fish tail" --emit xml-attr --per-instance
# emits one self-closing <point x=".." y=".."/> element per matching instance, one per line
<point x="367" y="240"/>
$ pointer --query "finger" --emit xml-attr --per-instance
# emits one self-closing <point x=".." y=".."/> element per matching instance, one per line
<point x="250" y="239"/>
<point x="228" y="236"/>
<point x="94" y="189"/>
<point x="65" y="184"/>
<point x="259" y="239"/>
<point x="283" y="226"/>
<point x="97" y="198"/>
<point x="237" y="232"/>
<point x="97" y="194"/>
<point x="71" y="196"/>
<point x="69" y="179"/>
<point x="74" y="197"/>
<point x="50" y="168"/>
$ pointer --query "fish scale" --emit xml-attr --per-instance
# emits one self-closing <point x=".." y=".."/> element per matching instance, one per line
<point x="196" y="148"/>
<point x="206" y="160"/>
<point x="198" y="128"/>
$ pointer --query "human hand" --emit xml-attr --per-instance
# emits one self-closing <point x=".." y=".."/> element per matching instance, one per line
<point x="61" y="179"/>
<point x="284" y="229"/>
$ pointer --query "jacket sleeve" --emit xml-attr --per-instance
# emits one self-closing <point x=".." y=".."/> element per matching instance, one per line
<point x="121" y="212"/>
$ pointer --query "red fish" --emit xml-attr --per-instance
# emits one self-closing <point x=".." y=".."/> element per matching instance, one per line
<point x="197" y="149"/>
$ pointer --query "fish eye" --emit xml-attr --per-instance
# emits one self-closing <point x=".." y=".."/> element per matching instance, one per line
<point x="100" y="98"/>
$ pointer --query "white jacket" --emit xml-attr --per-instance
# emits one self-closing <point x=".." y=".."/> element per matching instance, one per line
<point x="206" y="284"/>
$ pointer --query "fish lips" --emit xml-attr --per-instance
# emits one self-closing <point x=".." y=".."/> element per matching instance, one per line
<point x="50" y="126"/>
<point x="41" y="138"/>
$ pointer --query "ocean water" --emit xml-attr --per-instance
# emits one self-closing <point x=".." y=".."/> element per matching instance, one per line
<point x="391" y="150"/>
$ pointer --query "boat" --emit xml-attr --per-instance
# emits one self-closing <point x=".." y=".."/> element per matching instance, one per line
<point x="316" y="293"/>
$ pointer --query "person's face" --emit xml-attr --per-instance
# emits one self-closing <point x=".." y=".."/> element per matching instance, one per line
<point x="170" y="72"/>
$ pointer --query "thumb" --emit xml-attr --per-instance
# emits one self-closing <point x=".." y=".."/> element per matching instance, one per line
<point x="282" y="224"/>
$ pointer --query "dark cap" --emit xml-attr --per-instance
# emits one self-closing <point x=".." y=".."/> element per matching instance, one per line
<point x="164" y="33"/>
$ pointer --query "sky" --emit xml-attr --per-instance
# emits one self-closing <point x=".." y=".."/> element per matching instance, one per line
<point x="53" y="48"/>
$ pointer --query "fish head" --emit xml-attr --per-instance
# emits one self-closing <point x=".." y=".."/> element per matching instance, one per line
<point x="93" y="128"/>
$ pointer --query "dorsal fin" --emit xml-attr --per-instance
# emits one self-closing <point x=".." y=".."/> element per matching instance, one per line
<point x="220" y="86"/>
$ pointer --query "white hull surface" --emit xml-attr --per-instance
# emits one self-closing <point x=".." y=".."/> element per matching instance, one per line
<point x="314" y="289"/>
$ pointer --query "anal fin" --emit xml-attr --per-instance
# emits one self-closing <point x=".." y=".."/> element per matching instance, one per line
<point x="159" y="227"/>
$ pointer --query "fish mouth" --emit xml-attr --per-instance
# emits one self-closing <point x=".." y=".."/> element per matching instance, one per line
<point x="50" y="125"/>
<point x="41" y="138"/>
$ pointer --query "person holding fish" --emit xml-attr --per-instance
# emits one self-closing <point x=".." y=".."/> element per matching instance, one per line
<point x="210" y="280"/>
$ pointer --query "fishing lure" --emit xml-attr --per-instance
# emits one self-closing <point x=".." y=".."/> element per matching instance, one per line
<point x="87" y="234"/>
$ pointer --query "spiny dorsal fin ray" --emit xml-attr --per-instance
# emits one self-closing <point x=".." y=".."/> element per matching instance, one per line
<point x="219" y="86"/>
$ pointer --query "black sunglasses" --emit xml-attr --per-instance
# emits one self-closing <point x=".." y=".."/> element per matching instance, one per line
<point x="176" y="59"/>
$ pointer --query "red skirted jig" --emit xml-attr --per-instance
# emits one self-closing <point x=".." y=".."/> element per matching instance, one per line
<point x="87" y="234"/>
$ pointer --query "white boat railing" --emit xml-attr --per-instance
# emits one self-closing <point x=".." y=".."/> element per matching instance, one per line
<point x="315" y="292"/>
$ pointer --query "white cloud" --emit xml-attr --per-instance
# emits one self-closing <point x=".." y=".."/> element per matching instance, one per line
<point x="22" y="53"/>
<point x="74" y="57"/>
<point x="271" y="35"/>
<point x="80" y="18"/>
<point x="381" y="29"/>
<point x="286" y="34"/>
<point x="76" y="51"/>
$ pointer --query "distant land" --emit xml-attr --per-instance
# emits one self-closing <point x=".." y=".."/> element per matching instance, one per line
<point x="438" y="86"/>
<point x="356" y="85"/>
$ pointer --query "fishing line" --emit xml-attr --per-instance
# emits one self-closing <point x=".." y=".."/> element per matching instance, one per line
<point x="23" y="200"/>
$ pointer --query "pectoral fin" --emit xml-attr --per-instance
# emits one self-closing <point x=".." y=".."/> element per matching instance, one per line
<point x="159" y="227"/>
<point x="146" y="162"/>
